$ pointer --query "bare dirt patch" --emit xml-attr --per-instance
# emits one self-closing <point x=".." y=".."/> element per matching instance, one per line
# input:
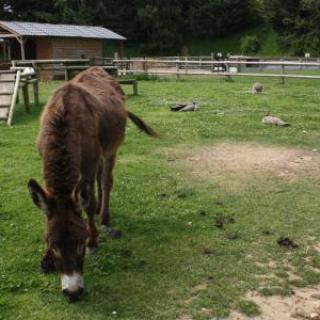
<point x="304" y="304"/>
<point x="224" y="158"/>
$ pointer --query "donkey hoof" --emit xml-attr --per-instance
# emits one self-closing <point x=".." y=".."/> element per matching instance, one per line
<point x="91" y="250"/>
<point x="114" y="234"/>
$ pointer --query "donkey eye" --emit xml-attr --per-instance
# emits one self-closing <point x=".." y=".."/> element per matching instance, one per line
<point x="56" y="252"/>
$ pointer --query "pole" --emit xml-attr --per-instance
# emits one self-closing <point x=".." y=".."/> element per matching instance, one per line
<point x="21" y="40"/>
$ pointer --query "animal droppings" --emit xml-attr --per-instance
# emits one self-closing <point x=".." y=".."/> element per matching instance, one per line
<point x="220" y="221"/>
<point x="287" y="242"/>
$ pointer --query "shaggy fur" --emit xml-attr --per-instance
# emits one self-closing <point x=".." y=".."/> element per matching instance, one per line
<point x="82" y="127"/>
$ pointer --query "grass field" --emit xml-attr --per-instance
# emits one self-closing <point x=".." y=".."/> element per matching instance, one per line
<point x="173" y="262"/>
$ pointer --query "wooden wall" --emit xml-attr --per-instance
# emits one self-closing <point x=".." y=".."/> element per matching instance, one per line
<point x="76" y="48"/>
<point x="67" y="48"/>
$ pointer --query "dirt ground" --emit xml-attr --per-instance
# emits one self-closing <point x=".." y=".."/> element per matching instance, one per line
<point x="223" y="159"/>
<point x="304" y="304"/>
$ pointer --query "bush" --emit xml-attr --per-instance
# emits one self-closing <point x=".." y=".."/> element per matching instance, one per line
<point x="249" y="44"/>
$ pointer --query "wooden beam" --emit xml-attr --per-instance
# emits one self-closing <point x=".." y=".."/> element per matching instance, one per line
<point x="7" y="35"/>
<point x="22" y="42"/>
<point x="9" y="51"/>
<point x="14" y="98"/>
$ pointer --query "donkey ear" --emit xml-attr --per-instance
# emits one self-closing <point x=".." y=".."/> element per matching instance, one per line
<point x="38" y="195"/>
<point x="82" y="193"/>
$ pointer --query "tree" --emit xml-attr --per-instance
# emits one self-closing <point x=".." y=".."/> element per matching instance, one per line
<point x="220" y="17"/>
<point x="159" y="26"/>
<point x="297" y="23"/>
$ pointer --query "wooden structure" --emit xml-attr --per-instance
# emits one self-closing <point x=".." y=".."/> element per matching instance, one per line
<point x="63" y="68"/>
<point x="44" y="41"/>
<point x="222" y="68"/>
<point x="5" y="49"/>
<point x="9" y="87"/>
<point x="10" y="83"/>
<point x="132" y="82"/>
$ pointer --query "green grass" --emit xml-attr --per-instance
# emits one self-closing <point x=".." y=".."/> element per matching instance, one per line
<point x="172" y="261"/>
<point x="248" y="308"/>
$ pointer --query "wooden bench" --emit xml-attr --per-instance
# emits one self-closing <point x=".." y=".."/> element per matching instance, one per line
<point x="132" y="82"/>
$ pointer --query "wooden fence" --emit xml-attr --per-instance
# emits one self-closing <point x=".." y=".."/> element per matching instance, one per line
<point x="65" y="68"/>
<point x="225" y="68"/>
<point x="235" y="66"/>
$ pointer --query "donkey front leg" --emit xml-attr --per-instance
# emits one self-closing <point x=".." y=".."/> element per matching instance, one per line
<point x="90" y="209"/>
<point x="106" y="186"/>
<point x="47" y="262"/>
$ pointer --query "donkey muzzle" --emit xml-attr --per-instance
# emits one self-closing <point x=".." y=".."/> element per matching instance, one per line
<point x="72" y="285"/>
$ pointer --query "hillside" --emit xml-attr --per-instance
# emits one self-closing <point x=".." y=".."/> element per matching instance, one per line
<point x="229" y="44"/>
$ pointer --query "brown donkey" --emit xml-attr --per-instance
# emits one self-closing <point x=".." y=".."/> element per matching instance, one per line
<point x="82" y="127"/>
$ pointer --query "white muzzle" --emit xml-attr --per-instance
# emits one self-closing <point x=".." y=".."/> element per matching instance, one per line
<point x="72" y="283"/>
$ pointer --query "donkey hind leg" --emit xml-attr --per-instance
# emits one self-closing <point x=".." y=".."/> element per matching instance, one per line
<point x="106" y="186"/>
<point x="99" y="188"/>
<point x="90" y="209"/>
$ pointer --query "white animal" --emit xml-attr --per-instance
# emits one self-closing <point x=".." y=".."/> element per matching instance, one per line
<point x="275" y="121"/>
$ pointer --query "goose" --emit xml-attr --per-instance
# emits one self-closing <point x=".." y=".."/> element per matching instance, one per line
<point x="257" y="88"/>
<point x="275" y="121"/>
<point x="190" y="107"/>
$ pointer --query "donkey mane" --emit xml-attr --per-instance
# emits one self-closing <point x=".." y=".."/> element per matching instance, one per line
<point x="61" y="165"/>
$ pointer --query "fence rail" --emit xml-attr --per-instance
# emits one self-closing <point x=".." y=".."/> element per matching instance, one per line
<point x="227" y="62"/>
<point x="227" y="68"/>
<point x="235" y="66"/>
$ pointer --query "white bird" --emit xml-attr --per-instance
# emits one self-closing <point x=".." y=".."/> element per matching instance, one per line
<point x="275" y="121"/>
<point x="257" y="88"/>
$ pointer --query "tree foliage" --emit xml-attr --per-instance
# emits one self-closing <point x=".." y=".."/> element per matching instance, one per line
<point x="297" y="22"/>
<point x="218" y="18"/>
<point x="159" y="25"/>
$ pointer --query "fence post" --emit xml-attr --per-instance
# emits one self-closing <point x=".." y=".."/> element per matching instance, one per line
<point x="228" y="77"/>
<point x="178" y="71"/>
<point x="260" y="65"/>
<point x="282" y="72"/>
<point x="212" y="65"/>
<point x="145" y="65"/>
<point x="129" y="66"/>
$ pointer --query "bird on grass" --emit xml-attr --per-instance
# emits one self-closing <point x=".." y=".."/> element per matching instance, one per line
<point x="275" y="121"/>
<point x="257" y="88"/>
<point x="185" y="107"/>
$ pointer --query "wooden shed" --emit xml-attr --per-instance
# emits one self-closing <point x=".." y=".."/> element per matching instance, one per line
<point x="29" y="41"/>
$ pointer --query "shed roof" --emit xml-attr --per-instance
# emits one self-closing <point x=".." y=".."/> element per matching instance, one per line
<point x="34" y="29"/>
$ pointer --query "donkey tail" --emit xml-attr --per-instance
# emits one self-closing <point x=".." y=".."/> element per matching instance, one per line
<point x="141" y="124"/>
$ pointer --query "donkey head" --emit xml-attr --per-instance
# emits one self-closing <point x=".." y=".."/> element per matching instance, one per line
<point x="66" y="233"/>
